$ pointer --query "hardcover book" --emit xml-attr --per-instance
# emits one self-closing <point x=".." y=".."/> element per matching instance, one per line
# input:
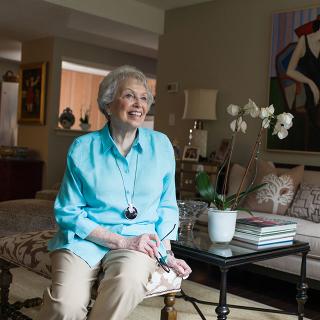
<point x="263" y="225"/>
<point x="261" y="246"/>
<point x="262" y="242"/>
<point x="239" y="234"/>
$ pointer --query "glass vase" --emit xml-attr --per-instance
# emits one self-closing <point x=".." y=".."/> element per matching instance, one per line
<point x="189" y="211"/>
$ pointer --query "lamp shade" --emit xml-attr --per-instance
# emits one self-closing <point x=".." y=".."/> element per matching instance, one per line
<point x="200" y="104"/>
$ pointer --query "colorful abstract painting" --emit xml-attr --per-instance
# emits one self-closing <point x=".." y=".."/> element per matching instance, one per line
<point x="294" y="77"/>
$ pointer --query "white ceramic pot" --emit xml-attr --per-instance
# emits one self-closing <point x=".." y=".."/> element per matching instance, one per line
<point x="221" y="225"/>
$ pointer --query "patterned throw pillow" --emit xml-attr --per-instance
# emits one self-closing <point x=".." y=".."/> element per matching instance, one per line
<point x="306" y="203"/>
<point x="276" y="196"/>
<point x="235" y="176"/>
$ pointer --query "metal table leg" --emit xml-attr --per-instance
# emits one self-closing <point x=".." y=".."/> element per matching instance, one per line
<point x="302" y="287"/>
<point x="222" y="309"/>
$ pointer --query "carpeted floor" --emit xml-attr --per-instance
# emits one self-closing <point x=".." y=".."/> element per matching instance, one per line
<point x="27" y="285"/>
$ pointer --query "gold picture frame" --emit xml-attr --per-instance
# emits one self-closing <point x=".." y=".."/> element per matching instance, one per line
<point x="32" y="93"/>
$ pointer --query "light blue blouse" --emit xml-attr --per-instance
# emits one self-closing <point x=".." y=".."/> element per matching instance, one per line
<point x="92" y="192"/>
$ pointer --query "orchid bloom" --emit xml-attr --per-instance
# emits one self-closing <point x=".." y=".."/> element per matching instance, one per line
<point x="238" y="124"/>
<point x="252" y="109"/>
<point x="280" y="131"/>
<point x="285" y="119"/>
<point x="284" y="122"/>
<point x="233" y="109"/>
<point x="267" y="112"/>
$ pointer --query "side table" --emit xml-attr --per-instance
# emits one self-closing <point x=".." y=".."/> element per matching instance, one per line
<point x="227" y="256"/>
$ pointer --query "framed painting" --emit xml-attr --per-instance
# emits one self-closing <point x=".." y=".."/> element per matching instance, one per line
<point x="32" y="93"/>
<point x="294" y="78"/>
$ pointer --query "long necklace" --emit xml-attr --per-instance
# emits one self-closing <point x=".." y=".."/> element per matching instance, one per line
<point x="130" y="212"/>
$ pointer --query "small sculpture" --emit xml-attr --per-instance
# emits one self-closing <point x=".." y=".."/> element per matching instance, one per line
<point x="66" y="118"/>
<point x="84" y="119"/>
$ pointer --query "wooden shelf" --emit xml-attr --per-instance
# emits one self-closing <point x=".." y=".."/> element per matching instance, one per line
<point x="186" y="172"/>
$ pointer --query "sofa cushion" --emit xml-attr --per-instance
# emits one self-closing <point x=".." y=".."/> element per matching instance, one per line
<point x="279" y="191"/>
<point x="29" y="250"/>
<point x="236" y="173"/>
<point x="306" y="203"/>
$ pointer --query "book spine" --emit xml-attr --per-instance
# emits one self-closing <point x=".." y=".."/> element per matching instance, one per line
<point x="259" y="237"/>
<point x="263" y="242"/>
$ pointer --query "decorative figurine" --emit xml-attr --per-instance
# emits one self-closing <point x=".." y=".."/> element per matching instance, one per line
<point x="66" y="118"/>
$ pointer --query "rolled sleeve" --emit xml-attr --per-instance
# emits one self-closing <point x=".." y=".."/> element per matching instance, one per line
<point x="70" y="203"/>
<point x="168" y="210"/>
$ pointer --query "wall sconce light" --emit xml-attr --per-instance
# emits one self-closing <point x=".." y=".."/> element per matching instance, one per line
<point x="200" y="104"/>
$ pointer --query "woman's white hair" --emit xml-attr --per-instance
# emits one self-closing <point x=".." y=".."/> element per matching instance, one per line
<point x="109" y="85"/>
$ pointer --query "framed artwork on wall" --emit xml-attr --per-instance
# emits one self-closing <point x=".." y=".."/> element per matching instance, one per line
<point x="294" y="78"/>
<point x="32" y="93"/>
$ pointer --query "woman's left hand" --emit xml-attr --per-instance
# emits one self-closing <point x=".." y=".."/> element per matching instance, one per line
<point x="179" y="266"/>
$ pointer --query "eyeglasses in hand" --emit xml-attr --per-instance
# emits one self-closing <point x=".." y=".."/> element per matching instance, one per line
<point x="162" y="261"/>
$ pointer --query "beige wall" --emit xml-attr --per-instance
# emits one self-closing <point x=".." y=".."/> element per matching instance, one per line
<point x="6" y="65"/>
<point x="50" y="144"/>
<point x="223" y="45"/>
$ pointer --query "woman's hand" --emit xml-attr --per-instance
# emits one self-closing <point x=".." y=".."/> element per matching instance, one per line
<point x="146" y="243"/>
<point x="315" y="92"/>
<point x="180" y="267"/>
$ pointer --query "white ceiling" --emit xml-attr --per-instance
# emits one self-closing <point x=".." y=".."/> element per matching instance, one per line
<point x="128" y="25"/>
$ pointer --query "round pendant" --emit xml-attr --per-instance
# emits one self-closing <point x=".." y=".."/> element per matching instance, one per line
<point x="131" y="213"/>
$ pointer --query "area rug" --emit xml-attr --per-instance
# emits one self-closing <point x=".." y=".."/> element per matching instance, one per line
<point x="28" y="285"/>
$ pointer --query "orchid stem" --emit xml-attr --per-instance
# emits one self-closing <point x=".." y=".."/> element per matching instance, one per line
<point x="253" y="153"/>
<point x="228" y="162"/>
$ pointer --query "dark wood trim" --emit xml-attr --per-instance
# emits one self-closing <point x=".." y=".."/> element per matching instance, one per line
<point x="289" y="166"/>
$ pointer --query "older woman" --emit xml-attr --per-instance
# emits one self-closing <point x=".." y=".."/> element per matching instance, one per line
<point x="116" y="209"/>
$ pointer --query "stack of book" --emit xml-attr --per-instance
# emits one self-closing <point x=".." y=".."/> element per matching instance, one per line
<point x="259" y="232"/>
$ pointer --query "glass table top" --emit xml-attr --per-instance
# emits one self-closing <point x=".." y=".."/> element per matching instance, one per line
<point x="201" y="246"/>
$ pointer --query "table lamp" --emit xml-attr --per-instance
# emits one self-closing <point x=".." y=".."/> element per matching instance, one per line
<point x="200" y="104"/>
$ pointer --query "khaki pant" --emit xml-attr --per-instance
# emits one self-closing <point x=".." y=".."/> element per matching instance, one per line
<point x="121" y="289"/>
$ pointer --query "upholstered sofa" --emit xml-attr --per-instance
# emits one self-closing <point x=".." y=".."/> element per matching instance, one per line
<point x="308" y="231"/>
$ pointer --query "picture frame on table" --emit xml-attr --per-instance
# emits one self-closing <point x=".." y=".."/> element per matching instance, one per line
<point x="191" y="153"/>
<point x="32" y="93"/>
<point x="292" y="36"/>
<point x="223" y="150"/>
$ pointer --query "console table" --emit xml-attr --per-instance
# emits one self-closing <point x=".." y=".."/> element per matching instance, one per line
<point x="186" y="173"/>
<point x="20" y="178"/>
<point x="227" y="256"/>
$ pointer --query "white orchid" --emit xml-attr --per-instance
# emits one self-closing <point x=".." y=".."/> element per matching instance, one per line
<point x="267" y="112"/>
<point x="285" y="119"/>
<point x="280" y="125"/>
<point x="238" y="124"/>
<point x="252" y="109"/>
<point x="280" y="131"/>
<point x="233" y="109"/>
<point x="284" y="122"/>
<point x="266" y="123"/>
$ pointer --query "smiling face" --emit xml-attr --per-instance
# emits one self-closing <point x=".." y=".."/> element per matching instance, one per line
<point x="129" y="107"/>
